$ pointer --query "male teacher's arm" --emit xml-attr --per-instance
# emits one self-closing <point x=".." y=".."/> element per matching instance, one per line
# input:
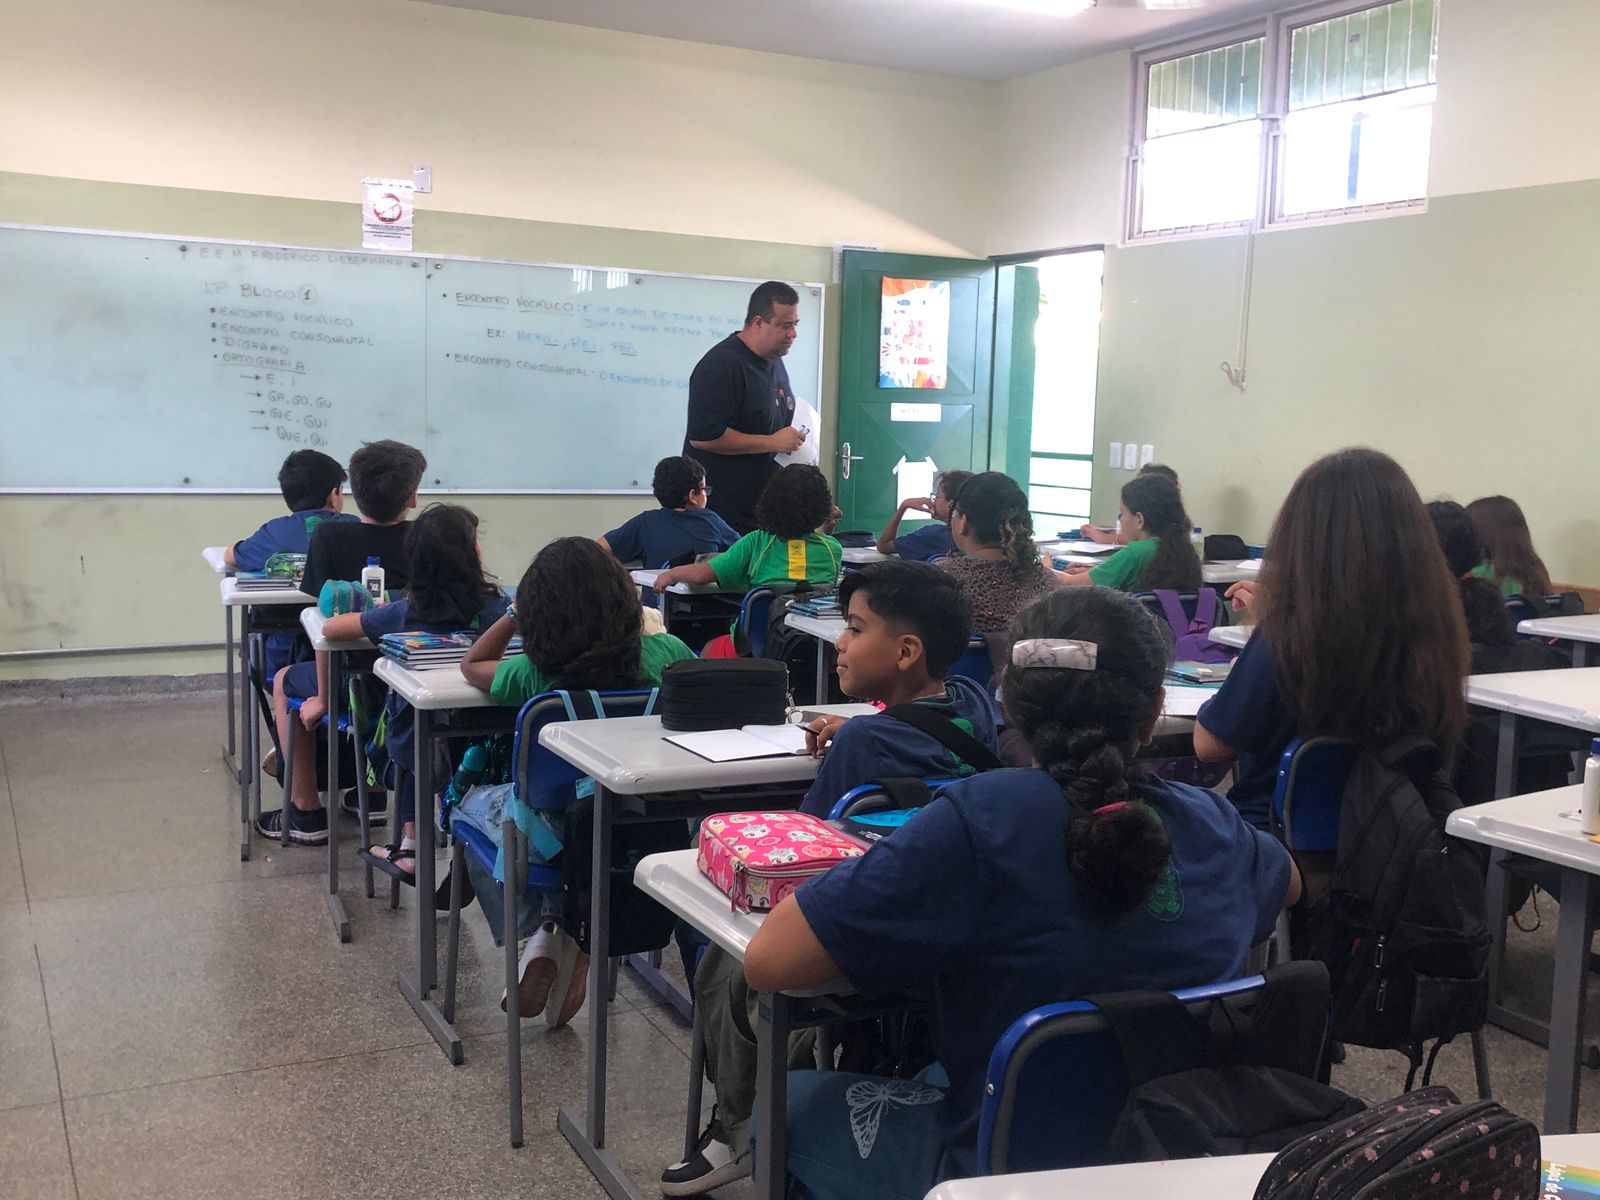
<point x="731" y="441"/>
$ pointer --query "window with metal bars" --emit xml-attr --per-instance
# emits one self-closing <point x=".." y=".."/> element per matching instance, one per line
<point x="1318" y="113"/>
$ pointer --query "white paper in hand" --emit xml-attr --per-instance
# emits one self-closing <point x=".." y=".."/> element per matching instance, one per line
<point x="809" y="422"/>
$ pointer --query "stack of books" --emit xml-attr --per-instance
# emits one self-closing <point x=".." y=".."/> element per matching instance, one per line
<point x="818" y="606"/>
<point x="418" y="651"/>
<point x="283" y="570"/>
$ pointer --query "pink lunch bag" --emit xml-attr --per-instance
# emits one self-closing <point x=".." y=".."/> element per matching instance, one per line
<point x="758" y="858"/>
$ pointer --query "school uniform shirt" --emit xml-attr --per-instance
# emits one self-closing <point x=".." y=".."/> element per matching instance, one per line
<point x="931" y="541"/>
<point x="400" y="616"/>
<point x="972" y="897"/>
<point x="1124" y="568"/>
<point x="996" y="593"/>
<point x="884" y="747"/>
<point x="288" y="534"/>
<point x="733" y="387"/>
<point x="1248" y="713"/>
<point x="1508" y="587"/>
<point x="763" y="558"/>
<point x="664" y="535"/>
<point x="340" y="551"/>
<point x="517" y="680"/>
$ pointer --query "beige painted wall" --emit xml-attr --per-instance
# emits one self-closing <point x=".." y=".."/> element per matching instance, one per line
<point x="525" y="119"/>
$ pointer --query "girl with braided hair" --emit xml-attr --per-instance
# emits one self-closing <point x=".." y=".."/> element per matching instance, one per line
<point x="1019" y="888"/>
<point x="998" y="566"/>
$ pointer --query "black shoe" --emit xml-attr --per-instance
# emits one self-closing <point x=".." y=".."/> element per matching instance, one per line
<point x="305" y="828"/>
<point x="711" y="1165"/>
<point x="377" y="806"/>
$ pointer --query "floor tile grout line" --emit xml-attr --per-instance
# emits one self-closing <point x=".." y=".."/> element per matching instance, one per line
<point x="55" y="1062"/>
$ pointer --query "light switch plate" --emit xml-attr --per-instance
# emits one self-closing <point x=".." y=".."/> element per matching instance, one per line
<point x="422" y="178"/>
<point x="1116" y="455"/>
<point x="1147" y="454"/>
<point x="1130" y="456"/>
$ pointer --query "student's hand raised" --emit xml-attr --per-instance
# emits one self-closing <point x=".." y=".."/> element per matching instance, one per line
<point x="787" y="440"/>
<point x="917" y="503"/>
<point x="1243" y="595"/>
<point x="820" y="732"/>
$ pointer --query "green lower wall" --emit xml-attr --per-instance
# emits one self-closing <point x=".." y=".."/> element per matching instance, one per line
<point x="1462" y="341"/>
<point x="110" y="570"/>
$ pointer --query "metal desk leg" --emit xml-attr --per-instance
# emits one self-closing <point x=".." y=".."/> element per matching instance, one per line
<point x="247" y="721"/>
<point x="231" y="754"/>
<point x="416" y="988"/>
<point x="1505" y="762"/>
<point x="1573" y="931"/>
<point x="665" y="989"/>
<point x="822" y="672"/>
<point x="772" y="1097"/>
<point x="588" y="1133"/>
<point x="330" y="801"/>
<point x="1580" y="654"/>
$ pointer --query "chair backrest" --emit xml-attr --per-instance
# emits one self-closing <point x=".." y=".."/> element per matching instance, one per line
<point x="543" y="778"/>
<point x="1521" y="608"/>
<point x="974" y="663"/>
<point x="870" y="797"/>
<point x="1311" y="778"/>
<point x="755" y="611"/>
<point x="1057" y="1084"/>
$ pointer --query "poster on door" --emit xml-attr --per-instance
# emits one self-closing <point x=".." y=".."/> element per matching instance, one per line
<point x="914" y="350"/>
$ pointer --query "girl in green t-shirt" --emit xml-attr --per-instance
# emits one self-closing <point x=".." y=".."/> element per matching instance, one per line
<point x="1510" y="561"/>
<point x="1158" y="554"/>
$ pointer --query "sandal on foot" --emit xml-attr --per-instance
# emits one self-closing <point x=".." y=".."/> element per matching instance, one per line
<point x="397" y="861"/>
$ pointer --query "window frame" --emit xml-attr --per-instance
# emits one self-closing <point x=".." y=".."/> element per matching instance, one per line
<point x="1277" y="30"/>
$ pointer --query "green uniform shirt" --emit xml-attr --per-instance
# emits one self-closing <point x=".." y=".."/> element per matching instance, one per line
<point x="1508" y="587"/>
<point x="1127" y="566"/>
<point x="517" y="680"/>
<point x="761" y="558"/>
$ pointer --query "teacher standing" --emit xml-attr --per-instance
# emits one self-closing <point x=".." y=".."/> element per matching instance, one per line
<point x="740" y="405"/>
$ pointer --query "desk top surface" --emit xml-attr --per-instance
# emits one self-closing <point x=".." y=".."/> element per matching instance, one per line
<point x="1569" y="697"/>
<point x="1230" y="572"/>
<point x="1585" y="628"/>
<point x="1231" y="635"/>
<point x="1232" y="1177"/>
<point x="860" y="555"/>
<point x="825" y="629"/>
<point x="1542" y="825"/>
<point x="214" y="558"/>
<point x="647" y="579"/>
<point x="437" y="688"/>
<point x="312" y="621"/>
<point x="630" y="756"/>
<point x="235" y="597"/>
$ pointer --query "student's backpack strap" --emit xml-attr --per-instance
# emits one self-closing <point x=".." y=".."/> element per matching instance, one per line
<point x="1205" y="611"/>
<point x="948" y="734"/>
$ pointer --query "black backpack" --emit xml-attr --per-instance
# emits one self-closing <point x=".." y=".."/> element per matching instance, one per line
<point x="795" y="650"/>
<point x="1402" y="926"/>
<point x="1240" y="1080"/>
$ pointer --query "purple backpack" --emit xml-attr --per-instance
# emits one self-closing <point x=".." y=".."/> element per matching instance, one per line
<point x="1193" y="641"/>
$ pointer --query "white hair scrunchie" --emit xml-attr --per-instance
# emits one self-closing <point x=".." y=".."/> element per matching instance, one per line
<point x="1059" y="653"/>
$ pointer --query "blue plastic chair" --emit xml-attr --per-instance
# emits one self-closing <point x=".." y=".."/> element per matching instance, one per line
<point x="975" y="663"/>
<point x="1057" y="1083"/>
<point x="1305" y="804"/>
<point x="755" y="610"/>
<point x="543" y="781"/>
<point x="868" y="798"/>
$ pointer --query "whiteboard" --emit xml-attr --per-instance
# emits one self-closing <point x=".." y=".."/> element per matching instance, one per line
<point x="139" y="363"/>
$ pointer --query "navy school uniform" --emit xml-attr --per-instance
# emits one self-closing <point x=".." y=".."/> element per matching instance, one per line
<point x="973" y="898"/>
<point x="1248" y="713"/>
<point x="931" y="541"/>
<point x="663" y="536"/>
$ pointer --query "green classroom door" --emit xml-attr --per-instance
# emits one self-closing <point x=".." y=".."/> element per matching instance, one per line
<point x="916" y="345"/>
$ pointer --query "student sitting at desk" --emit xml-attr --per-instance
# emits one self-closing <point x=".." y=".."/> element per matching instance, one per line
<point x="312" y="484"/>
<point x="1158" y="553"/>
<point x="998" y="566"/>
<point x="384" y="477"/>
<point x="1110" y="537"/>
<point x="907" y="624"/>
<point x="933" y="540"/>
<point x="785" y="546"/>
<point x="680" y="529"/>
<point x="1360" y="633"/>
<point x="579" y="617"/>
<point x="1016" y="889"/>
<point x="1509" y="560"/>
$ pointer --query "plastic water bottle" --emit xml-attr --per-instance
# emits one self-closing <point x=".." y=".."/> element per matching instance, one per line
<point x="474" y="765"/>
<point x="372" y="580"/>
<point x="1197" y="539"/>
<point x="1589" y="813"/>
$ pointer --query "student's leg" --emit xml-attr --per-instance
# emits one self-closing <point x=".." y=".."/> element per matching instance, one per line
<point x="299" y="681"/>
<point x="863" y="1137"/>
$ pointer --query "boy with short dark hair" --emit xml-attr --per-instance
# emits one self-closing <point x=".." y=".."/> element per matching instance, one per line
<point x="384" y="477"/>
<point x="680" y="529"/>
<point x="906" y="625"/>
<point x="932" y="540"/>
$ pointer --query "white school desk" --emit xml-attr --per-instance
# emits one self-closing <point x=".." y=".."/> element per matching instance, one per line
<point x="471" y="713"/>
<point x="213" y="556"/>
<point x="312" y="621"/>
<point x="1582" y="632"/>
<point x="286" y="601"/>
<point x="646" y="580"/>
<point x="1231" y="1177"/>
<point x="1570" y="698"/>
<point x="629" y="756"/>
<point x="1543" y="825"/>
<point x="860" y="556"/>
<point x="1231" y="635"/>
<point x="1230" y="572"/>
<point x="826" y="630"/>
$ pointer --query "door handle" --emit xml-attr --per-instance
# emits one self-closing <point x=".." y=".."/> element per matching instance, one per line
<point x="846" y="458"/>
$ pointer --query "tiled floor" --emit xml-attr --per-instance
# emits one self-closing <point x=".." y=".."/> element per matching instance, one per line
<point x="176" y="1024"/>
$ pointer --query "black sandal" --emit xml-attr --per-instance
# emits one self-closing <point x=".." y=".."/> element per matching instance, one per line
<point x="385" y="861"/>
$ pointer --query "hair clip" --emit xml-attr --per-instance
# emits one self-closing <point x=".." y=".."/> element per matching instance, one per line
<point x="1110" y="808"/>
<point x="1061" y="653"/>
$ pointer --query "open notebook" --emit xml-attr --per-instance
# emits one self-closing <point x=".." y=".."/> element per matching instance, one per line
<point x="735" y="745"/>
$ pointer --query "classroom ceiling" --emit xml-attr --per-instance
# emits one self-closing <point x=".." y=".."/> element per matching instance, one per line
<point x="967" y="39"/>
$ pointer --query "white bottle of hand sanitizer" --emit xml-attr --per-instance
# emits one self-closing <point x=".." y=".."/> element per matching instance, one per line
<point x="1589" y="813"/>
<point x="372" y="583"/>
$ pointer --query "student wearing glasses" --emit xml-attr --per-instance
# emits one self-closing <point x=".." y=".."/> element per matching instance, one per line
<point x="681" y="529"/>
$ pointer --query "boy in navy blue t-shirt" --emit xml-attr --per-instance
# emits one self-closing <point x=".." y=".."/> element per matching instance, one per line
<point x="680" y="529"/>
